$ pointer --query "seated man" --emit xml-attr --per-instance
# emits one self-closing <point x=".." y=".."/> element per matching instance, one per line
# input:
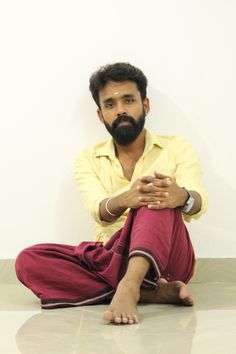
<point x="139" y="187"/>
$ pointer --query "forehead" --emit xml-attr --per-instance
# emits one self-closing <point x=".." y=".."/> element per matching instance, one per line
<point x="114" y="89"/>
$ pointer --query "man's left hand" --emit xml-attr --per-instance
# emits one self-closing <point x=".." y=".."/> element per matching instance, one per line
<point x="169" y="196"/>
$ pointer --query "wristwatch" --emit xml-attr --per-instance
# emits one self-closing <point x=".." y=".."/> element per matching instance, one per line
<point x="189" y="203"/>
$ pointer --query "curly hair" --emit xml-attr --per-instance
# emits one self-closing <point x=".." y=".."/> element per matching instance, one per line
<point x="117" y="72"/>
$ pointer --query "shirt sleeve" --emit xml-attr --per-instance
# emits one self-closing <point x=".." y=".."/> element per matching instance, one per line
<point x="188" y="173"/>
<point x="89" y="185"/>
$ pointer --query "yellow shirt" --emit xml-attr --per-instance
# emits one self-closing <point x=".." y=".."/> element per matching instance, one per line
<point x="99" y="175"/>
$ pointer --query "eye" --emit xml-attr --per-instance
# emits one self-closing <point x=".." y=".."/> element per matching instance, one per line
<point x="109" y="104"/>
<point x="129" y="100"/>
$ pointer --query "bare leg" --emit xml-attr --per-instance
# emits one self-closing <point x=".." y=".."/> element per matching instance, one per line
<point x="123" y="307"/>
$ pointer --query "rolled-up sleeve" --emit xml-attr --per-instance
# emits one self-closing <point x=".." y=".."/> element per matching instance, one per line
<point x="89" y="185"/>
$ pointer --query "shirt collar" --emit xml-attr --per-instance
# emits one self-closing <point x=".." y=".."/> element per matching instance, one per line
<point x="108" y="148"/>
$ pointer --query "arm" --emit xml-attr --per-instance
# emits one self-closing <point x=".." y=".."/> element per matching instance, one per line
<point x="95" y="191"/>
<point x="187" y="175"/>
<point x="164" y="192"/>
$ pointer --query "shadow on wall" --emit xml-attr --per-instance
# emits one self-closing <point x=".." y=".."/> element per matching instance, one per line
<point x="73" y="223"/>
<point x="214" y="233"/>
<point x="93" y="131"/>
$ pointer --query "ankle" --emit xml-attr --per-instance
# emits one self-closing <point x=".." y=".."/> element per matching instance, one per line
<point x="137" y="268"/>
<point x="134" y="282"/>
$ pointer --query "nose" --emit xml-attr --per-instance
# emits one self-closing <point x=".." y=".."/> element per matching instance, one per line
<point x="121" y="110"/>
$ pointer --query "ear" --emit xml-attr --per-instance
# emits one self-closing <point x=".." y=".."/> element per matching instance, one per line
<point x="99" y="113"/>
<point x="146" y="105"/>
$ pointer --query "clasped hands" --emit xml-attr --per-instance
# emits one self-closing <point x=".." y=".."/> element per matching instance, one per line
<point x="156" y="192"/>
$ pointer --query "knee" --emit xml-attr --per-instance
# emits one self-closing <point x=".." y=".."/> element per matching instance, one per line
<point x="21" y="264"/>
<point x="25" y="263"/>
<point x="160" y="217"/>
<point x="167" y="212"/>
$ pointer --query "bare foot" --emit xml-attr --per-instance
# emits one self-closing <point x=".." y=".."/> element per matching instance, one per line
<point x="175" y="292"/>
<point x="123" y="307"/>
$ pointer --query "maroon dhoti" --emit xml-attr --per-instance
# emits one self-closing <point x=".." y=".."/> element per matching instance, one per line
<point x="62" y="275"/>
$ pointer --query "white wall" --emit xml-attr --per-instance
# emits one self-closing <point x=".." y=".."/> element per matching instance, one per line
<point x="49" y="48"/>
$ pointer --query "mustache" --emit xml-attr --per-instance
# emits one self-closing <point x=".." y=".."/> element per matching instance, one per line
<point x="123" y="118"/>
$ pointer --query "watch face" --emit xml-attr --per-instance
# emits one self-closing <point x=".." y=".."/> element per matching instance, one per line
<point x="190" y="200"/>
<point x="189" y="204"/>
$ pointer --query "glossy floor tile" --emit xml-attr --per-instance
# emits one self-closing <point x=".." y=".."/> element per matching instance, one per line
<point x="207" y="328"/>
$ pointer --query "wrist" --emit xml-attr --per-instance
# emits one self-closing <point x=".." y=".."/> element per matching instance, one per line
<point x="189" y="203"/>
<point x="108" y="209"/>
<point x="122" y="201"/>
<point x="184" y="198"/>
<point x="115" y="206"/>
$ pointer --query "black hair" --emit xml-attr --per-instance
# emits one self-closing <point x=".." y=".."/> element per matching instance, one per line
<point x="116" y="72"/>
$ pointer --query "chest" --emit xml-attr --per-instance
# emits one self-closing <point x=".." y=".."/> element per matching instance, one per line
<point x="128" y="166"/>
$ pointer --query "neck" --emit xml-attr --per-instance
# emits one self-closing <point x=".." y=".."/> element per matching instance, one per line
<point x="133" y="149"/>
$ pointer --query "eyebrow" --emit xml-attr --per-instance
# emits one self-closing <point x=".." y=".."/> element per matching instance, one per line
<point x="130" y="95"/>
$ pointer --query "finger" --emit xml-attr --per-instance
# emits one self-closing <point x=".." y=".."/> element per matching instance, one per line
<point x="157" y="205"/>
<point x="150" y="200"/>
<point x="139" y="203"/>
<point x="162" y="194"/>
<point x="160" y="182"/>
<point x="147" y="179"/>
<point x="166" y="182"/>
<point x="146" y="188"/>
<point x="159" y="175"/>
<point x="157" y="187"/>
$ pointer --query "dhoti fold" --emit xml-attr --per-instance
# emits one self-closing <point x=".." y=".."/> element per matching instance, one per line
<point x="64" y="275"/>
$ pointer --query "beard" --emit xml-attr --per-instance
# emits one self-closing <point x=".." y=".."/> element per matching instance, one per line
<point x="128" y="133"/>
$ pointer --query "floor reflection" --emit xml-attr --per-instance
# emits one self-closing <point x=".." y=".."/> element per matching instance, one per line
<point x="164" y="329"/>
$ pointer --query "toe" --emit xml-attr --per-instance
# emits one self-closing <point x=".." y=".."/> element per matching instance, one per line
<point x="133" y="319"/>
<point x="108" y="315"/>
<point x="185" y="296"/>
<point x="130" y="319"/>
<point x="189" y="301"/>
<point x="117" y="318"/>
<point x="161" y="281"/>
<point x="125" y="318"/>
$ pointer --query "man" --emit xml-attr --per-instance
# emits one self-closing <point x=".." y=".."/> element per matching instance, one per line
<point x="138" y="187"/>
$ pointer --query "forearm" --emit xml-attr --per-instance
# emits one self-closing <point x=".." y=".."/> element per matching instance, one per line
<point x="183" y="197"/>
<point x="111" y="209"/>
<point x="141" y="194"/>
